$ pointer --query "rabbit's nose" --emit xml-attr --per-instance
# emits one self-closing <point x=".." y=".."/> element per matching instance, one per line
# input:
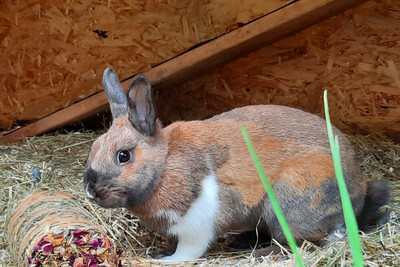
<point x="88" y="191"/>
<point x="90" y="175"/>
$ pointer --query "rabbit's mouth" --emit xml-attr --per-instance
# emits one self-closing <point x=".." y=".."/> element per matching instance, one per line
<point x="101" y="189"/>
<point x="106" y="197"/>
<point x="89" y="192"/>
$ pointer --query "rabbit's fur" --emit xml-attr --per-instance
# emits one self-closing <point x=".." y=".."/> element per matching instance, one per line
<point x="195" y="180"/>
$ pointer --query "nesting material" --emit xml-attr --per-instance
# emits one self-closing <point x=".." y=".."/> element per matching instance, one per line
<point x="61" y="159"/>
<point x="355" y="56"/>
<point x="53" y="53"/>
<point x="51" y="228"/>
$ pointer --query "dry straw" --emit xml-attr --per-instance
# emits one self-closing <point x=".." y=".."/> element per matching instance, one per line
<point x="50" y="228"/>
<point x="61" y="159"/>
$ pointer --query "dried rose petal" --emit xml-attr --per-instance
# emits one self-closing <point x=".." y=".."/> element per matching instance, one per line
<point x="80" y="233"/>
<point x="48" y="238"/>
<point x="43" y="242"/>
<point x="99" y="251"/>
<point x="78" y="262"/>
<point x="80" y="241"/>
<point x="48" y="248"/>
<point x="91" y="259"/>
<point x="81" y="249"/>
<point x="102" y="257"/>
<point x="72" y="257"/>
<point x="33" y="261"/>
<point x="85" y="250"/>
<point x="107" y="243"/>
<point x="36" y="248"/>
<point x="55" y="240"/>
<point x="77" y="232"/>
<point x="96" y="243"/>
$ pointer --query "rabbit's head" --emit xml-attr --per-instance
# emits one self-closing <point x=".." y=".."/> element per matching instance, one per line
<point x="125" y="163"/>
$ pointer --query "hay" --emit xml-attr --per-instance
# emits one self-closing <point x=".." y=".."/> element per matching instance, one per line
<point x="61" y="159"/>
<point x="50" y="228"/>
<point x="379" y="157"/>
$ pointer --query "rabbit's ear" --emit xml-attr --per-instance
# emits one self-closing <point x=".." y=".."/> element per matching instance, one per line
<point x="142" y="112"/>
<point x="115" y="94"/>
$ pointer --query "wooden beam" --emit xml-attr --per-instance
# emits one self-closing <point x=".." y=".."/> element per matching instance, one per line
<point x="255" y="35"/>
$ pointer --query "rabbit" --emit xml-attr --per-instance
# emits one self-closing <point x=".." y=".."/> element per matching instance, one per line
<point x="195" y="180"/>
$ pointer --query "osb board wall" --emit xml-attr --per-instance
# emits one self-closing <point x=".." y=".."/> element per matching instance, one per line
<point x="355" y="56"/>
<point x="53" y="53"/>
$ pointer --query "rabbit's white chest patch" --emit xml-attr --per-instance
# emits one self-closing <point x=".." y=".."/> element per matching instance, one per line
<point x="195" y="230"/>
<point x="172" y="216"/>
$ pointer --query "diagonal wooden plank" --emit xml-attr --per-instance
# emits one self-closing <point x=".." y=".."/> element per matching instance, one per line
<point x="266" y="30"/>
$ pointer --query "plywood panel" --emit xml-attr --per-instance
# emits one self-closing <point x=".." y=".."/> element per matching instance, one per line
<point x="52" y="53"/>
<point x="355" y="56"/>
<point x="242" y="41"/>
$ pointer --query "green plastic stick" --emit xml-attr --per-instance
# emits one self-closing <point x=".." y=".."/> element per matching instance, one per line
<point x="349" y="217"/>
<point x="274" y="201"/>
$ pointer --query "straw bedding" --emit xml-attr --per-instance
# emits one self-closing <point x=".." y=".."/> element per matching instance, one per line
<point x="61" y="158"/>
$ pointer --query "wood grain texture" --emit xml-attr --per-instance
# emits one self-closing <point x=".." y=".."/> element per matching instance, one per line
<point x="264" y="31"/>
<point x="57" y="51"/>
<point x="354" y="55"/>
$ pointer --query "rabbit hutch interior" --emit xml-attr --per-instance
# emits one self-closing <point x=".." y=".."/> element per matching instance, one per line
<point x="202" y="58"/>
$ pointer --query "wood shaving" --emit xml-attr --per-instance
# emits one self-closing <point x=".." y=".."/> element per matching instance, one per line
<point x="54" y="53"/>
<point x="355" y="56"/>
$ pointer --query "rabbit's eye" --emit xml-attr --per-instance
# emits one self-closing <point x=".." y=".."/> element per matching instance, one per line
<point x="124" y="156"/>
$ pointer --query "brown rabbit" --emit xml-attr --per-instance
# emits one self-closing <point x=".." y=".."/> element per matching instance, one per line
<point x="195" y="180"/>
